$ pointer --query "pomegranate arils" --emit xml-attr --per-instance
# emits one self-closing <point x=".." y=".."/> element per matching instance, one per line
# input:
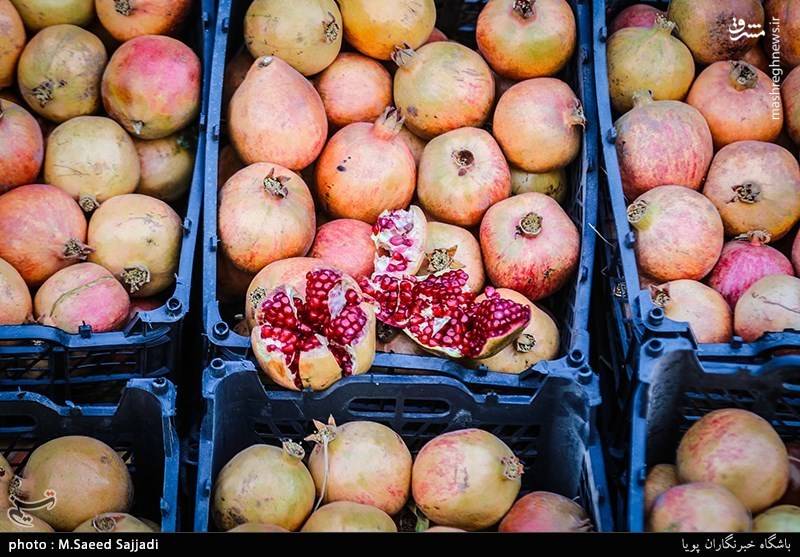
<point x="399" y="238"/>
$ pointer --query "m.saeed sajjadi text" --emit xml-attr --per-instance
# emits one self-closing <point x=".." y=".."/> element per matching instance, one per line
<point x="129" y="545"/>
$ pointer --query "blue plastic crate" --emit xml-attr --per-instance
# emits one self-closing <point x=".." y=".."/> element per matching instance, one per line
<point x="570" y="306"/>
<point x="94" y="367"/>
<point x="551" y="431"/>
<point x="140" y="428"/>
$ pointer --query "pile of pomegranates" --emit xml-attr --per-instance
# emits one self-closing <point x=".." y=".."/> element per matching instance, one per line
<point x="97" y="104"/>
<point x="360" y="476"/>
<point x="706" y="138"/>
<point x="379" y="190"/>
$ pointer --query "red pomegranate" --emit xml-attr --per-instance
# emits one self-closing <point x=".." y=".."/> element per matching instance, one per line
<point x="536" y="342"/>
<point x="21" y="146"/>
<point x="461" y="174"/>
<point x="277" y="116"/>
<point x="375" y="28"/>
<point x="450" y="247"/>
<point x="530" y="245"/>
<point x="463" y="94"/>
<point x="787" y="13"/>
<point x="314" y="335"/>
<point x="366" y="169"/>
<point x="346" y="516"/>
<point x="347" y="245"/>
<point x="38" y="14"/>
<point x="399" y="237"/>
<point x="127" y="19"/>
<point x="637" y="15"/>
<point x="291" y="271"/>
<point x="783" y="518"/>
<point x="526" y="38"/>
<point x="707" y="29"/>
<point x="660" y="478"/>
<point x="542" y="511"/>
<point x="542" y="112"/>
<point x="394" y="341"/>
<point x="414" y="144"/>
<point x="16" y="307"/>
<point x="42" y="230"/>
<point x="738" y="450"/>
<point x="361" y="462"/>
<point x="756" y="57"/>
<point x="107" y="523"/>
<point x="704" y="309"/>
<point x="235" y="71"/>
<point x="59" y="72"/>
<point x="466" y="479"/>
<point x="679" y="233"/>
<point x="138" y="239"/>
<point x="92" y="159"/>
<point x="256" y="527"/>
<point x="755" y="186"/>
<point x="152" y="86"/>
<point x="772" y="304"/>
<point x="796" y="253"/>
<point x="790" y="93"/>
<point x="143" y="305"/>
<point x="436" y="36"/>
<point x="660" y="143"/>
<point x="228" y="164"/>
<point x="259" y="472"/>
<point x="354" y="88"/>
<point x="166" y="166"/>
<point x="553" y="184"/>
<point x="12" y="41"/>
<point x="744" y="261"/>
<point x="698" y="507"/>
<point x="265" y="213"/>
<point x="82" y="294"/>
<point x="736" y="100"/>
<point x="641" y="59"/>
<point x="306" y="34"/>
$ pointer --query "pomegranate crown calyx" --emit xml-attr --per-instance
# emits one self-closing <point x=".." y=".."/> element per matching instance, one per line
<point x="525" y="343"/>
<point x="660" y="295"/>
<point x="512" y="467"/>
<point x="325" y="432"/>
<point x="524" y="8"/>
<point x="642" y="97"/>
<point x="104" y="523"/>
<point x="663" y="25"/>
<point x="292" y="449"/>
<point x="403" y="54"/>
<point x="389" y="124"/>
<point x="743" y="75"/>
<point x="530" y="225"/>
<point x="276" y="185"/>
<point x="443" y="259"/>
<point x="755" y="237"/>
<point x="636" y="211"/>
<point x="748" y="192"/>
<point x="331" y="28"/>
<point x="264" y="61"/>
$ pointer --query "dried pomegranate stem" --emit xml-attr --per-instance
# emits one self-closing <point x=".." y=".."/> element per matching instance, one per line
<point x="663" y="25"/>
<point x="743" y="75"/>
<point x="757" y="237"/>
<point x="104" y="524"/>
<point x="636" y="211"/>
<point x="512" y="467"/>
<point x="530" y="225"/>
<point x="524" y="8"/>
<point x="660" y="296"/>
<point x="293" y="450"/>
<point x="88" y="203"/>
<point x="402" y="55"/>
<point x="747" y="192"/>
<point x="75" y="249"/>
<point x="525" y="343"/>
<point x="331" y="29"/>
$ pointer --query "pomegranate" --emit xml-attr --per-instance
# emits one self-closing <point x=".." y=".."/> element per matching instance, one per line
<point x="366" y="169"/>
<point x="705" y="26"/>
<point x="86" y="476"/>
<point x="679" y="233"/>
<point x="736" y="100"/>
<point x="542" y="511"/>
<point x="143" y="305"/>
<point x="703" y="308"/>
<point x="16" y="308"/>
<point x="526" y="38"/>
<point x="346" y="516"/>
<point x="106" y="523"/>
<point x="82" y="294"/>
<point x="436" y="36"/>
<point x="466" y="479"/>
<point x="43" y="230"/>
<point x="792" y="494"/>
<point x="783" y="518"/>
<point x="347" y="245"/>
<point x="232" y="282"/>
<point x="450" y="247"/>
<point x="772" y="304"/>
<point x="229" y="164"/>
<point x="637" y="15"/>
<point x="59" y="72"/>
<point x="166" y="166"/>
<point x="138" y="239"/>
<point x="375" y="28"/>
<point x="127" y="19"/>
<point x="259" y="473"/>
<point x="265" y="213"/>
<point x="698" y="507"/>
<point x="530" y="245"/>
<point x="256" y="527"/>
<point x="152" y="86"/>
<point x="92" y="159"/>
<point x="12" y="41"/>
<point x="542" y="112"/>
<point x="462" y="173"/>
<point x="394" y="341"/>
<point x="354" y="88"/>
<point x="660" y="143"/>
<point x="641" y="59"/>
<point x="306" y="34"/>
<point x="235" y="71"/>
<point x="538" y="341"/>
<point x="362" y="462"/>
<point x="796" y="253"/>
<point x="744" y="261"/>
<point x="553" y="184"/>
<point x="443" y="529"/>
<point x="660" y="478"/>
<point x="463" y="94"/>
<point x="316" y="334"/>
<point x="21" y="146"/>
<point x="38" y="14"/>
<point x="756" y="57"/>
<point x="277" y="116"/>
<point x="414" y="144"/>
<point x="399" y="237"/>
<point x="790" y="93"/>
<point x="738" y="450"/>
<point x="755" y="186"/>
<point x="787" y="13"/>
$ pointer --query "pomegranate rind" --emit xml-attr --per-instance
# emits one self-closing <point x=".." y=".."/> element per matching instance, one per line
<point x="346" y="516"/>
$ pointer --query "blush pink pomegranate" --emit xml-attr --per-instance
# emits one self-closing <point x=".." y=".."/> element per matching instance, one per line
<point x="679" y="233"/>
<point x="530" y="245"/>
<point x="16" y="306"/>
<point x="796" y="253"/>
<point x="354" y="88"/>
<point x="347" y="245"/>
<point x="347" y="516"/>
<point x="698" y="507"/>
<point x="705" y="310"/>
<point x="637" y="15"/>
<point x="127" y="19"/>
<point x="143" y="305"/>
<point x="660" y="143"/>
<point x="12" y="42"/>
<point x="452" y="247"/>
<point x="738" y="450"/>
<point x="660" y="478"/>
<point x="21" y="147"/>
<point x="772" y="304"/>
<point x="790" y="94"/>
<point x="542" y="511"/>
